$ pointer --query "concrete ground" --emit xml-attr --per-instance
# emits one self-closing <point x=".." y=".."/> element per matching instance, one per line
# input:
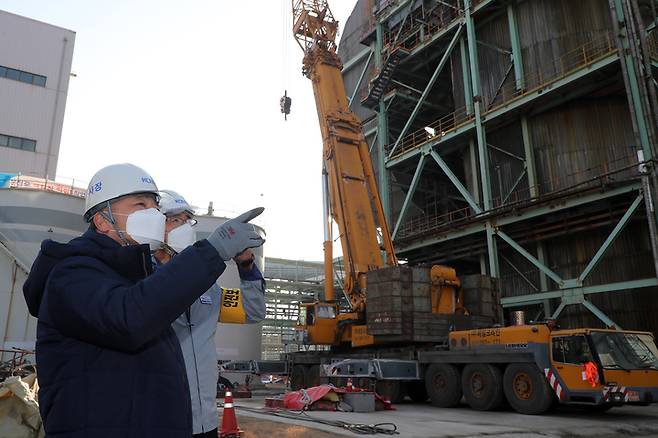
<point x="424" y="420"/>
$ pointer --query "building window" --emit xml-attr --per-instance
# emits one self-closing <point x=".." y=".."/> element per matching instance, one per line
<point x="24" y="144"/>
<point x="22" y="76"/>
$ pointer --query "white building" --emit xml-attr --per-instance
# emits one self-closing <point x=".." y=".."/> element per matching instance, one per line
<point x="35" y="66"/>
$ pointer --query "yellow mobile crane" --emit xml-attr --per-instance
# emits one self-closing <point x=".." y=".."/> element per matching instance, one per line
<point x="351" y="198"/>
<point x="531" y="366"/>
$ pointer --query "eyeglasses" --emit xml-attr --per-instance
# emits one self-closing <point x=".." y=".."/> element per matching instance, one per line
<point x="180" y="221"/>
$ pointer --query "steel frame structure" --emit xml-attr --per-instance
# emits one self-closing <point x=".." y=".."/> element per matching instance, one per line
<point x="620" y="51"/>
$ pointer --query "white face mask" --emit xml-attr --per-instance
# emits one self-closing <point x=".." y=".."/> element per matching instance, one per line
<point x="182" y="237"/>
<point x="147" y="227"/>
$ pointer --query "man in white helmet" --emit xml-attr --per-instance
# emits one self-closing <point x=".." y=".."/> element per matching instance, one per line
<point x="197" y="326"/>
<point x="110" y="364"/>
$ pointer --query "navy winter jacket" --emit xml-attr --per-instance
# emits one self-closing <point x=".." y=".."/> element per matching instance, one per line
<point x="109" y="364"/>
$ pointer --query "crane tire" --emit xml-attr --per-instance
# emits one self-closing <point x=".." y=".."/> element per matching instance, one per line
<point x="443" y="385"/>
<point x="392" y="390"/>
<point x="526" y="389"/>
<point x="482" y="385"/>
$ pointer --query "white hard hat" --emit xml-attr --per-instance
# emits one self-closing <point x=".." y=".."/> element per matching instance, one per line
<point x="172" y="203"/>
<point x="114" y="181"/>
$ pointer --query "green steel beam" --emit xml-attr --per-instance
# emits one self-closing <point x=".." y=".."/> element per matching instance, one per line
<point x="398" y="94"/>
<point x="611" y="238"/>
<point x="468" y="91"/>
<point x="471" y="40"/>
<point x="495" y="48"/>
<point x="529" y="152"/>
<point x="516" y="217"/>
<point x="408" y="87"/>
<point x="516" y="183"/>
<point x="543" y="279"/>
<point x="519" y="75"/>
<point x="515" y="104"/>
<point x="374" y="141"/>
<point x="504" y="152"/>
<point x="531" y="169"/>
<point x="410" y="195"/>
<point x="573" y="293"/>
<point x="428" y="88"/>
<point x="532" y="259"/>
<point x="492" y="251"/>
<point x="477" y="97"/>
<point x="474" y="171"/>
<point x="518" y="271"/>
<point x="370" y="132"/>
<point x="382" y="133"/>
<point x="559" y="310"/>
<point x="599" y="314"/>
<point x="353" y="62"/>
<point x="361" y="76"/>
<point x="633" y="86"/>
<point x="455" y="181"/>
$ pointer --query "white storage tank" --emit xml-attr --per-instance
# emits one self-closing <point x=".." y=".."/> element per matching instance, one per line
<point x="28" y="217"/>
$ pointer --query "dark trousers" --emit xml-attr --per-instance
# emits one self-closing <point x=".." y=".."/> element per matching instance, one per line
<point x="211" y="434"/>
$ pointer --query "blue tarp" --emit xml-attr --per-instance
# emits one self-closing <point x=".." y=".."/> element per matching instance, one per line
<point x="4" y="179"/>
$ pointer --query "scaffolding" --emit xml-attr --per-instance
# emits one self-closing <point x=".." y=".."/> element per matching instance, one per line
<point x="289" y="282"/>
<point x="517" y="139"/>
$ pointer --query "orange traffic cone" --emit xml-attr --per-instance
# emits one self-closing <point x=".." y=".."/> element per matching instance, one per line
<point x="230" y="427"/>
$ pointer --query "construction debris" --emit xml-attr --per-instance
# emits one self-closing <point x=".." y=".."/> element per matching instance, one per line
<point x="331" y="398"/>
<point x="18" y="365"/>
<point x="19" y="409"/>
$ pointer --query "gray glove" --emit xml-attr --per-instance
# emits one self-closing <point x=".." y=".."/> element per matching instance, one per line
<point x="235" y="235"/>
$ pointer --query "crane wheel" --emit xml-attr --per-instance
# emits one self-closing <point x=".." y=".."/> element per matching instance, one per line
<point x="298" y="377"/>
<point x="442" y="382"/>
<point x="482" y="385"/>
<point x="393" y="390"/>
<point x="526" y="389"/>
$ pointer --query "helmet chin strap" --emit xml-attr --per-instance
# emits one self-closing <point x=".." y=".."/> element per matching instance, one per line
<point x="110" y="218"/>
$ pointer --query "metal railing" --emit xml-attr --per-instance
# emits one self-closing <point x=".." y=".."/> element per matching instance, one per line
<point x="61" y="184"/>
<point x="590" y="52"/>
<point x="413" y="34"/>
<point x="606" y="173"/>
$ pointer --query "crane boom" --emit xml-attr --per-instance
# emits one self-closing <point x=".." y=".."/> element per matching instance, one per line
<point x="352" y="195"/>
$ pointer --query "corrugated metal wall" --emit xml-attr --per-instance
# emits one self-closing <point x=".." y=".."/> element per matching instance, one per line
<point x="573" y="142"/>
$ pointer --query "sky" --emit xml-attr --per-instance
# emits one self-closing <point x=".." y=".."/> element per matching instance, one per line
<point x="190" y="92"/>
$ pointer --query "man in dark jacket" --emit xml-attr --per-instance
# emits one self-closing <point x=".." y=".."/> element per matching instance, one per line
<point x="109" y="363"/>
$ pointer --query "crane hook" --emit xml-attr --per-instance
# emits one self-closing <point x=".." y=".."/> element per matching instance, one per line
<point x="285" y="102"/>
